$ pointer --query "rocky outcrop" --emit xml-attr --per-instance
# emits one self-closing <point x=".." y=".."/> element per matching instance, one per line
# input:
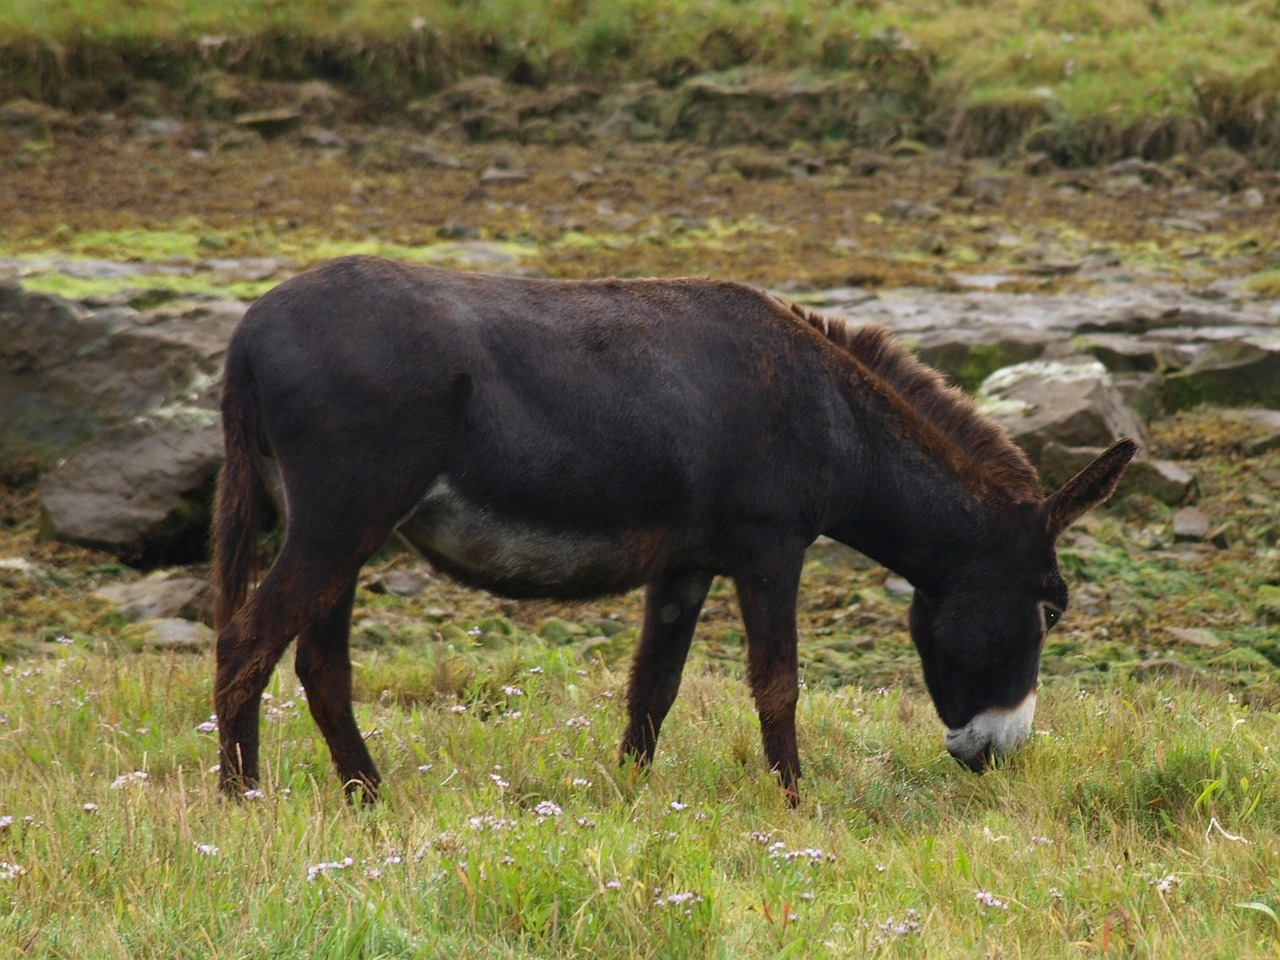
<point x="120" y="408"/>
<point x="68" y="372"/>
<point x="1071" y="404"/>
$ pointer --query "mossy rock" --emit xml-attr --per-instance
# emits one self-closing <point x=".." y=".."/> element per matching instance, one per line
<point x="1233" y="373"/>
<point x="560" y="631"/>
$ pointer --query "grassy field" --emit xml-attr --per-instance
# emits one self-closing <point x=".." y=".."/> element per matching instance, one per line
<point x="1141" y="822"/>
<point x="1167" y="73"/>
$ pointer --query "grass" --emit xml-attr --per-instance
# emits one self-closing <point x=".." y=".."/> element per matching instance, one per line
<point x="1128" y="63"/>
<point x="1141" y="821"/>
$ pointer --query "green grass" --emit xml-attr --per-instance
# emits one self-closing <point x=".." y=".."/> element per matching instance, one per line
<point x="1102" y="836"/>
<point x="1128" y="63"/>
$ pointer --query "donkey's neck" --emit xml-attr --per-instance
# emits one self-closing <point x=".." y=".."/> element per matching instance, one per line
<point x="934" y="476"/>
<point x="912" y="515"/>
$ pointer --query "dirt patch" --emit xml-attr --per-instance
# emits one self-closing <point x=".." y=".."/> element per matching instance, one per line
<point x="821" y="214"/>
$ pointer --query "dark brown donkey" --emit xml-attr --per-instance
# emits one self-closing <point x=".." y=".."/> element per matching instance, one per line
<point x="572" y="439"/>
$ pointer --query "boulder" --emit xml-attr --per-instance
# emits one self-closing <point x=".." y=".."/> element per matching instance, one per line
<point x="140" y="490"/>
<point x="1127" y="354"/>
<point x="1074" y="404"/>
<point x="968" y="356"/>
<point x="171" y="633"/>
<point x="161" y="598"/>
<point x="1161" y="479"/>
<point x="68" y="372"/>
<point x="1238" y="372"/>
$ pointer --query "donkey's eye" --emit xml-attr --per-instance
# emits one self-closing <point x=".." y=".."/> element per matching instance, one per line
<point x="1051" y="616"/>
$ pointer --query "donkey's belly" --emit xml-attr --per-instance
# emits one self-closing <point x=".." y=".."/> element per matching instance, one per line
<point x="523" y="558"/>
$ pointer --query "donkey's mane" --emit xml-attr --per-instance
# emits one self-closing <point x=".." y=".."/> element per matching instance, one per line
<point x="950" y="422"/>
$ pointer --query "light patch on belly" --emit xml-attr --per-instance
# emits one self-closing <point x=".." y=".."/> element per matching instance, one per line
<point x="501" y="548"/>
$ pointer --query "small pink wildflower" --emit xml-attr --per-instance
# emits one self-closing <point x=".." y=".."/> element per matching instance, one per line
<point x="254" y="795"/>
<point x="1166" y="883"/>
<point x="126" y="779"/>
<point x="316" y="869"/>
<point x="90" y="807"/>
<point x="546" y="808"/>
<point x="206" y="849"/>
<point x="991" y="900"/>
<point x="10" y="871"/>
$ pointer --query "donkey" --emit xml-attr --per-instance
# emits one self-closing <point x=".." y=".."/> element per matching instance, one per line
<point x="566" y="439"/>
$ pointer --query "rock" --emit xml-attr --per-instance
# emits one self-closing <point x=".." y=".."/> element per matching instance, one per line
<point x="401" y="583"/>
<point x="755" y="164"/>
<point x="1161" y="479"/>
<point x="171" y="633"/>
<point x="1120" y="353"/>
<point x="140" y="490"/>
<point x="968" y="356"/>
<point x="157" y="598"/>
<point x="1074" y="404"/>
<point x="271" y="123"/>
<point x="425" y="155"/>
<point x="898" y="587"/>
<point x="501" y="175"/>
<point x="68" y="372"/>
<point x="322" y="138"/>
<point x="1190" y="524"/>
<point x="1232" y="372"/>
<point x="1194" y="636"/>
<point x="910" y="210"/>
<point x="1264" y="427"/>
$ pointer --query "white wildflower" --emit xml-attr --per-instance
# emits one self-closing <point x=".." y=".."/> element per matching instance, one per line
<point x="315" y="870"/>
<point x="126" y="779"/>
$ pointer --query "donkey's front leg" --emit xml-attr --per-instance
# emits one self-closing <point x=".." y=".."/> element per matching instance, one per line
<point x="768" y="600"/>
<point x="672" y="605"/>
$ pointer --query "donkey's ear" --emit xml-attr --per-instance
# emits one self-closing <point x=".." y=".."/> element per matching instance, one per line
<point x="1088" y="488"/>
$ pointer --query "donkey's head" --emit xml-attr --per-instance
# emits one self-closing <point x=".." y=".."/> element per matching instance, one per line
<point x="980" y="632"/>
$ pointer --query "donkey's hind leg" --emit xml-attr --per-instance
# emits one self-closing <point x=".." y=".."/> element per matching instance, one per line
<point x="309" y="578"/>
<point x="323" y="664"/>
<point x="672" y="605"/>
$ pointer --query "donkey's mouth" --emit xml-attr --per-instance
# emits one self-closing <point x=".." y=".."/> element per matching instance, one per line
<point x="992" y="734"/>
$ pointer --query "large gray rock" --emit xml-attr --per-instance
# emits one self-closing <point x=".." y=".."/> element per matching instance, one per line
<point x="1074" y="404"/>
<point x="68" y="372"/>
<point x="140" y="490"/>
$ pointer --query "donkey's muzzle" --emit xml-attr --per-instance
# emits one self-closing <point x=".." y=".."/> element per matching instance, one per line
<point x="992" y="734"/>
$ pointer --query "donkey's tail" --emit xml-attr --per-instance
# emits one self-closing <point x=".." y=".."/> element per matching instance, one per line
<point x="238" y="506"/>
